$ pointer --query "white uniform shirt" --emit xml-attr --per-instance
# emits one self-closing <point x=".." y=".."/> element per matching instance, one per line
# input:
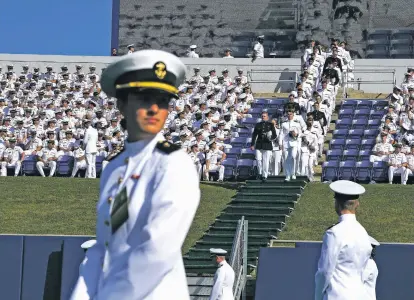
<point x="47" y="153"/>
<point x="259" y="50"/>
<point x="397" y="159"/>
<point x="161" y="191"/>
<point x="345" y="252"/>
<point x="223" y="283"/>
<point x="370" y="280"/>
<point x="90" y="139"/>
<point x="78" y="153"/>
<point x="214" y="156"/>
<point x="12" y="155"/>
<point x="410" y="161"/>
<point x="383" y="147"/>
<point x="192" y="54"/>
<point x="285" y="139"/>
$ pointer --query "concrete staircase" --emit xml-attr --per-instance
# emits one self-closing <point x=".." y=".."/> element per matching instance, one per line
<point x="266" y="206"/>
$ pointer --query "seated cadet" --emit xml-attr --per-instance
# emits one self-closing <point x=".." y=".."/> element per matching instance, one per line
<point x="213" y="162"/>
<point x="47" y="157"/>
<point x="382" y="149"/>
<point x="410" y="164"/>
<point x="196" y="157"/>
<point x="12" y="157"/>
<point x="397" y="164"/>
<point x="80" y="161"/>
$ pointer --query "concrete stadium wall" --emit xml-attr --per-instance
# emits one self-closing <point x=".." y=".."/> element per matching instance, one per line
<point x="288" y="273"/>
<point x="264" y="72"/>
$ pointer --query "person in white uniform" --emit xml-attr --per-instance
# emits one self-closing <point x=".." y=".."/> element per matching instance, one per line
<point x="89" y="142"/>
<point x="214" y="158"/>
<point x="346" y="249"/>
<point x="258" y="50"/>
<point x="371" y="273"/>
<point x="192" y="53"/>
<point x="149" y="192"/>
<point x="397" y="163"/>
<point x="80" y="161"/>
<point x="223" y="278"/>
<point x="289" y="139"/>
<point x="131" y="48"/>
<point x="12" y="157"/>
<point x="47" y="157"/>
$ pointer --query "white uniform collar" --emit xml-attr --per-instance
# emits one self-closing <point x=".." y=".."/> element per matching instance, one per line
<point x="347" y="217"/>
<point x="134" y="147"/>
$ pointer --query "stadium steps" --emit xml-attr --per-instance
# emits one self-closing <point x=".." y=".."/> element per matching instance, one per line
<point x="266" y="206"/>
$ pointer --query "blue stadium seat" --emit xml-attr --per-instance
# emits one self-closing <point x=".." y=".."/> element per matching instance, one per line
<point x="334" y="155"/>
<point x="346" y="113"/>
<point x="230" y="166"/>
<point x="255" y="112"/>
<point x="359" y="123"/>
<point x="245" y="168"/>
<point x="371" y="133"/>
<point x="346" y="170"/>
<point x="373" y="124"/>
<point x="340" y="133"/>
<point x="249" y="122"/>
<point x="343" y="124"/>
<point x="337" y="144"/>
<point x="65" y="165"/>
<point x="379" y="171"/>
<point x="330" y="171"/>
<point x="350" y="155"/>
<point x="379" y="104"/>
<point x="247" y="153"/>
<point x="376" y="114"/>
<point x="363" y="171"/>
<point x="244" y="132"/>
<point x="98" y="165"/>
<point x="364" y="104"/>
<point x="276" y="103"/>
<point x="349" y="104"/>
<point x="367" y="144"/>
<point x="260" y="103"/>
<point x="352" y="144"/>
<point x="364" y="155"/>
<point x="232" y="153"/>
<point x="355" y="133"/>
<point x="29" y="165"/>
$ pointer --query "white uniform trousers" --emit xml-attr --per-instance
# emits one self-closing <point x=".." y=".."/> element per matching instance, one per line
<point x="290" y="155"/>
<point x="4" y="166"/>
<point x="51" y="164"/>
<point x="214" y="167"/>
<point x="407" y="173"/>
<point x="79" y="165"/>
<point x="307" y="160"/>
<point x="199" y="169"/>
<point x="263" y="161"/>
<point x="394" y="170"/>
<point x="91" y="162"/>
<point x="374" y="158"/>
<point x="275" y="162"/>
<point x="296" y="169"/>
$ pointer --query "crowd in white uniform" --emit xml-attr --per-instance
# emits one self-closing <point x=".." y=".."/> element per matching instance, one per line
<point x="395" y="143"/>
<point x="49" y="114"/>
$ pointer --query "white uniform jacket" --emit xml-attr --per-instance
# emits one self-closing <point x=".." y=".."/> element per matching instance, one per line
<point x="90" y="139"/>
<point x="223" y="283"/>
<point x="149" y="194"/>
<point x="346" y="250"/>
<point x="370" y="280"/>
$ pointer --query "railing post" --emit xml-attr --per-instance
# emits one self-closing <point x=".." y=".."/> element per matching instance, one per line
<point x="245" y="245"/>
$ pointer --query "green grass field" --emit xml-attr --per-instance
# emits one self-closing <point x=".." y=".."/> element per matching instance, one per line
<point x="386" y="211"/>
<point x="65" y="206"/>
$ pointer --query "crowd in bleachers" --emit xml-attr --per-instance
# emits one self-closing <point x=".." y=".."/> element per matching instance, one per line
<point x="374" y="139"/>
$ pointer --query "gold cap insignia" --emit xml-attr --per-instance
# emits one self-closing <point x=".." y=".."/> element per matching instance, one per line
<point x="160" y="70"/>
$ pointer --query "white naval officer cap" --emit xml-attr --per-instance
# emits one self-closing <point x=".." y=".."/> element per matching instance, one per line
<point x="373" y="241"/>
<point x="218" y="251"/>
<point x="193" y="46"/>
<point x="260" y="37"/>
<point x="130" y="45"/>
<point x="143" y="70"/>
<point x="88" y="244"/>
<point x="346" y="190"/>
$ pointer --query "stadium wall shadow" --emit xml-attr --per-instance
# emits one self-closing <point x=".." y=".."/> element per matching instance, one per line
<point x="288" y="273"/>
